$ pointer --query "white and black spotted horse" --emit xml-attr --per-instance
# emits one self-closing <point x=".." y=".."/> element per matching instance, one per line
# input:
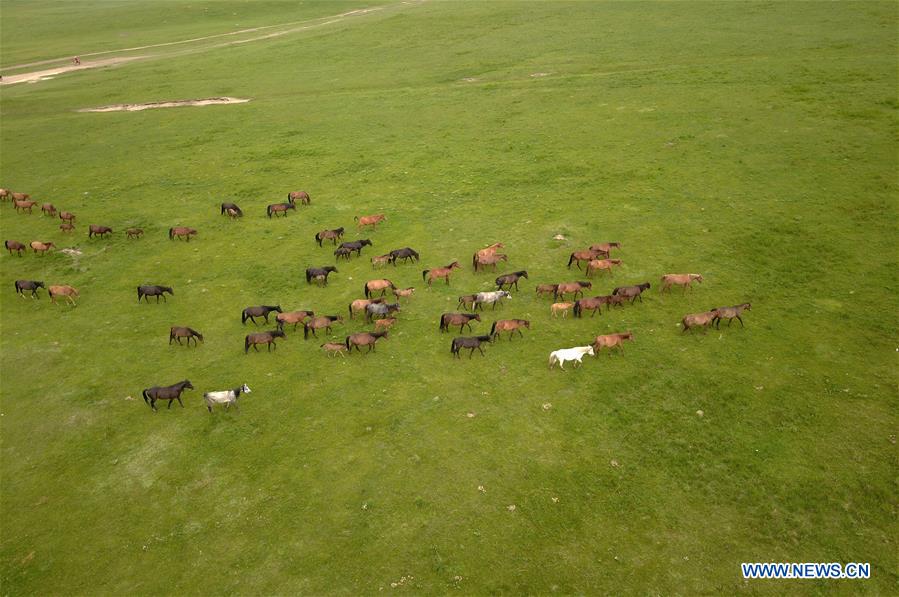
<point x="226" y="397"/>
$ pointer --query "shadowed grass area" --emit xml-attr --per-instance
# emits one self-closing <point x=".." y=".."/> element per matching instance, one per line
<point x="752" y="143"/>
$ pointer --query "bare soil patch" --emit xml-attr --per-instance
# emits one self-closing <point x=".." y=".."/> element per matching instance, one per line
<point x="211" y="101"/>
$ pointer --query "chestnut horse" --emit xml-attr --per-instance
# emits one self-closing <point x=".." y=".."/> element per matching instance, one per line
<point x="181" y="232"/>
<point x="48" y="209"/>
<point x="67" y="216"/>
<point x="611" y="341"/>
<point x="685" y="280"/>
<point x="279" y="208"/>
<point x="62" y="290"/>
<point x="20" y="196"/>
<point x="488" y="260"/>
<point x="23" y="205"/>
<point x="587" y="255"/>
<point x="487" y="251"/>
<point x="440" y="272"/>
<point x="459" y="319"/>
<point x="575" y="288"/>
<point x="294" y="317"/>
<point x="303" y="196"/>
<point x="318" y="322"/>
<point x="590" y="304"/>
<point x="509" y="325"/>
<point x="546" y="289"/>
<point x="369" y="220"/>
<point x="605" y="247"/>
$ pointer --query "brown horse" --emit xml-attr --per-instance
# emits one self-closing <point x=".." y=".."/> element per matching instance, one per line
<point x="67" y="291"/>
<point x="488" y="260"/>
<point x="575" y="288"/>
<point x="303" y="196"/>
<point x="440" y="272"/>
<point x="562" y="308"/>
<point x="467" y="300"/>
<point x="487" y="251"/>
<point x="611" y="341"/>
<point x="5" y="194"/>
<point x="372" y="221"/>
<point x="546" y="289"/>
<point x="593" y="304"/>
<point x="231" y="209"/>
<point x="280" y="208"/>
<point x="257" y="338"/>
<point x="632" y="292"/>
<point x="731" y="313"/>
<point x="67" y="216"/>
<point x="39" y="247"/>
<point x="66" y="227"/>
<point x="459" y="319"/>
<point x="384" y="324"/>
<point x="360" y="305"/>
<point x="364" y="339"/>
<point x="510" y="279"/>
<point x="605" y="247"/>
<point x="508" y="325"/>
<point x="134" y="233"/>
<point x="380" y="261"/>
<point x="176" y="333"/>
<point x="373" y="286"/>
<point x="182" y="232"/>
<point x="95" y="230"/>
<point x="24" y="205"/>
<point x="48" y="209"/>
<point x="403" y="292"/>
<point x="698" y="320"/>
<point x="685" y="280"/>
<point x="294" y="317"/>
<point x="331" y="235"/>
<point x="601" y="264"/>
<point x="320" y="322"/>
<point x="335" y="348"/>
<point x="579" y="256"/>
<point x="14" y="245"/>
<point x="20" y="196"/>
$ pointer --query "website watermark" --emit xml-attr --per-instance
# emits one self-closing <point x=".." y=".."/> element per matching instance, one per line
<point x="806" y="570"/>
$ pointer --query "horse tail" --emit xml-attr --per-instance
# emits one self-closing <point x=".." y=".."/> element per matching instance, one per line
<point x="442" y="319"/>
<point x="493" y="328"/>
<point x="474" y="261"/>
<point x="577" y="308"/>
<point x="6" y="244"/>
<point x="365" y="289"/>
<point x="246" y="344"/>
<point x="347" y="342"/>
<point x="318" y="237"/>
<point x="243" y="316"/>
<point x="570" y="259"/>
<point x="146" y="396"/>
<point x="268" y="210"/>
<point x="424" y="273"/>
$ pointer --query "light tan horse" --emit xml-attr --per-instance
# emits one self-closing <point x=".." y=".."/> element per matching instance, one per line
<point x="303" y="196"/>
<point x="440" y="272"/>
<point x="20" y="196"/>
<point x="403" y="292"/>
<point x="334" y="348"/>
<point x="384" y="324"/>
<point x="372" y="221"/>
<point x="489" y="260"/>
<point x="63" y="290"/>
<point x="611" y="341"/>
<point x="39" y="247"/>
<point x="359" y="305"/>
<point x="489" y="250"/>
<point x="698" y="320"/>
<point x="685" y="280"/>
<point x="601" y="264"/>
<point x="373" y="286"/>
<point x="292" y="317"/>
<point x="562" y="308"/>
<point x="5" y="194"/>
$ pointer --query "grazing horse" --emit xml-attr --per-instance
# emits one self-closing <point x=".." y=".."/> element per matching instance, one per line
<point x="369" y="220"/>
<point x="62" y="290"/>
<point x="364" y="339"/>
<point x="48" y="209"/>
<point x="612" y="341"/>
<point x="66" y="227"/>
<point x="494" y="297"/>
<point x="698" y="320"/>
<point x="318" y="322"/>
<point x="467" y="301"/>
<point x="226" y="397"/>
<point x="96" y="230"/>
<point x="593" y="304"/>
<point x="632" y="292"/>
<point x="579" y="256"/>
<point x="303" y="196"/>
<point x="39" y="247"/>
<point x="380" y="260"/>
<point x="731" y="313"/>
<point x="279" y="208"/>
<point x="562" y="308"/>
<point x="471" y="342"/>
<point x="294" y="317"/>
<point x="601" y="264"/>
<point x="151" y="290"/>
<point x="23" y="205"/>
<point x="134" y="233"/>
<point x="685" y="280"/>
<point x="374" y="285"/>
<point x="605" y="247"/>
<point x="403" y="292"/>
<point x="356" y="245"/>
<point x="547" y="289"/>
<point x="575" y="288"/>
<point x="335" y="348"/>
<point x="14" y="245"/>
<point x="488" y="260"/>
<point x="406" y="253"/>
<point x="267" y="338"/>
<point x="510" y="279"/>
<point x="380" y="310"/>
<point x="176" y="333"/>
<point x="509" y="325"/>
<point x="170" y="393"/>
<point x="227" y="208"/>
<point x="252" y="313"/>
<point x="440" y="272"/>
<point x="67" y="216"/>
<point x="569" y="354"/>
<point x="360" y="305"/>
<point x="181" y="232"/>
<point x="459" y="319"/>
<point x="32" y="285"/>
<point x="331" y="235"/>
<point x="386" y="323"/>
<point x="320" y="274"/>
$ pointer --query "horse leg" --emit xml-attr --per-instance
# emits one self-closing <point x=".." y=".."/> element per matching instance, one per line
<point x="471" y="353"/>
<point x="255" y="347"/>
<point x="179" y="402"/>
<point x="170" y="403"/>
<point x="153" y="404"/>
<point x="741" y="321"/>
<point x="481" y="350"/>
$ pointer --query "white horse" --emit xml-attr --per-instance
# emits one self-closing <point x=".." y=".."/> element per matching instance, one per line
<point x="490" y="297"/>
<point x="226" y="397"/>
<point x="569" y="354"/>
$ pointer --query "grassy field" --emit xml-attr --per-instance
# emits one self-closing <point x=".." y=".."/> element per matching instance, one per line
<point x="755" y="143"/>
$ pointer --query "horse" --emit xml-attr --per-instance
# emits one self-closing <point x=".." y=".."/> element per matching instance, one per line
<point x="96" y="230"/>
<point x="632" y="292"/>
<point x="39" y="247"/>
<point x="294" y="317"/>
<point x="157" y="291"/>
<point x="181" y="232"/>
<point x="459" y="319"/>
<point x="569" y="354"/>
<point x="227" y="208"/>
<point x="360" y="305"/>
<point x="406" y="253"/>
<point x="318" y="322"/>
<point x="134" y="233"/>
<point x="487" y="251"/>
<point x="380" y="260"/>
<point x="369" y="220"/>
<point x="233" y="213"/>
<point x="605" y="247"/>
<point x="279" y="208"/>
<point x="386" y="323"/>
<point x="403" y="292"/>
<point x="593" y="304"/>
<point x="364" y="339"/>
<point x="62" y="290"/>
<point x="176" y="333"/>
<point x="440" y="272"/>
<point x="471" y="342"/>
<point x="562" y="308"/>
<point x="685" y="280"/>
<point x="252" y="313"/>
<point x="510" y="279"/>
<point x="66" y="227"/>
<point x="335" y="348"/>
<point x="356" y="245"/>
<point x="5" y="194"/>
<point x="611" y="341"/>
<point x="698" y="320"/>
<point x="343" y="252"/>
<point x="467" y="301"/>
<point x="67" y="216"/>
<point x="48" y="209"/>
<point x="730" y="313"/>
<point x="579" y="256"/>
<point x="509" y="325"/>
<point x="170" y="393"/>
<point x="226" y="397"/>
<point x="486" y="260"/>
<point x="601" y="264"/>
<point x="303" y="196"/>
<point x="14" y="245"/>
<point x="380" y="309"/>
<point x="23" y="205"/>
<point x="576" y="288"/>
<point x="546" y="289"/>
<point x="374" y="285"/>
<point x="320" y="274"/>
<point x="490" y="297"/>
<point x="267" y="338"/>
<point x="32" y="285"/>
<point x="331" y="235"/>
<point x="20" y="196"/>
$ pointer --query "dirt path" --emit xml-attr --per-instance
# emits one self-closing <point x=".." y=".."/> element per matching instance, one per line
<point x="212" y="101"/>
<point x="43" y="75"/>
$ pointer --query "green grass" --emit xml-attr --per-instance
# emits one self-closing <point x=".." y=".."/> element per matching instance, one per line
<point x="754" y="143"/>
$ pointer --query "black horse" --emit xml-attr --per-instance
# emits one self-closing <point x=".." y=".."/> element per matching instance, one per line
<point x="471" y="342"/>
<point x="32" y="285"/>
<point x="510" y="279"/>
<point x="227" y="206"/>
<point x="260" y="311"/>
<point x="157" y="291"/>
<point x="405" y="254"/>
<point x="356" y="245"/>
<point x="380" y="309"/>
<point x="319" y="273"/>
<point x="173" y="392"/>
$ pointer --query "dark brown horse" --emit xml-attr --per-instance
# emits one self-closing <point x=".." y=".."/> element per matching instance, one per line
<point x="292" y="317"/>
<point x="319" y="274"/>
<point x="320" y="322"/>
<point x="593" y="304"/>
<point x="67" y="216"/>
<point x="157" y="291"/>
<point x="32" y="285"/>
<point x="343" y="252"/>
<point x="252" y="313"/>
<point x="406" y="253"/>
<point x="181" y="232"/>
<point x="574" y="288"/>
<point x="134" y="233"/>
<point x="67" y="227"/>
<point x="510" y="280"/>
<point x="170" y="393"/>
<point x="14" y="245"/>
<point x="257" y="338"/>
<point x="279" y="208"/>
<point x="509" y="325"/>
<point x="356" y="245"/>
<point x="364" y="339"/>
<point x="459" y="319"/>
<point x="471" y="342"/>
<point x="303" y="196"/>
<point x="176" y="333"/>
<point x="48" y="209"/>
<point x="632" y="292"/>
<point x="331" y="235"/>
<point x="95" y="230"/>
<point x="227" y="208"/>
<point x="546" y="289"/>
<point x="440" y="272"/>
